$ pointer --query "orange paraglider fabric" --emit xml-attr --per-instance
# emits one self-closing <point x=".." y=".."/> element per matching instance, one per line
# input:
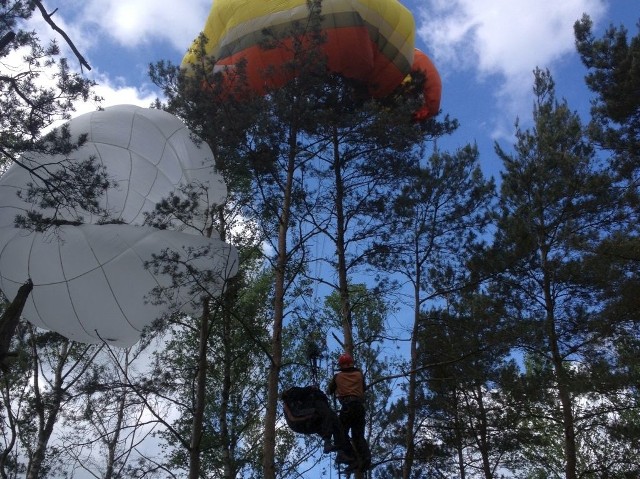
<point x="432" y="86"/>
<point x="371" y="41"/>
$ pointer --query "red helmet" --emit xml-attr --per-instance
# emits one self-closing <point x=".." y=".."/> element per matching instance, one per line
<point x="345" y="360"/>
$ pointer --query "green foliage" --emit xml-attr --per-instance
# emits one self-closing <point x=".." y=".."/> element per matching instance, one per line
<point x="38" y="88"/>
<point x="442" y="208"/>
<point x="27" y="107"/>
<point x="555" y="200"/>
<point x="613" y="64"/>
<point x="515" y="347"/>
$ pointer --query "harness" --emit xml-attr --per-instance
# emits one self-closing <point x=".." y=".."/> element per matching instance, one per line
<point x="300" y="410"/>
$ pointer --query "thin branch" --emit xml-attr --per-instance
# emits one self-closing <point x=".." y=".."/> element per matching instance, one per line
<point x="422" y="368"/>
<point x="47" y="18"/>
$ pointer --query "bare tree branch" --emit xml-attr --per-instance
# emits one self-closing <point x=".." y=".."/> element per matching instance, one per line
<point x="47" y="18"/>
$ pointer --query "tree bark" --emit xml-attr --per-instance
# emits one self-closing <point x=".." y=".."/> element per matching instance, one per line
<point x="42" y="406"/>
<point x="564" y="393"/>
<point x="227" y="456"/>
<point x="200" y="386"/>
<point x="343" y="282"/>
<point x="482" y="433"/>
<point x="409" y="454"/>
<point x="11" y="317"/>
<point x="112" y="443"/>
<point x="268" y="457"/>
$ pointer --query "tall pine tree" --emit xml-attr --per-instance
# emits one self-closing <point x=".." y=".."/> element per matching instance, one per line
<point x="555" y="197"/>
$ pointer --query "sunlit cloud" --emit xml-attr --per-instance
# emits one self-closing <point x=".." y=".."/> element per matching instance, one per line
<point x="502" y="40"/>
<point x="502" y="36"/>
<point x="92" y="23"/>
<point x="137" y="22"/>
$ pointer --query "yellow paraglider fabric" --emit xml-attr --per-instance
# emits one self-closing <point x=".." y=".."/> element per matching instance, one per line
<point x="367" y="40"/>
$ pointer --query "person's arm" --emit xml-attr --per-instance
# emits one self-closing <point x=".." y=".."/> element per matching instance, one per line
<point x="331" y="389"/>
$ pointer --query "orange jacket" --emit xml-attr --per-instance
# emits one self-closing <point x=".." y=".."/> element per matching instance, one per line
<point x="348" y="382"/>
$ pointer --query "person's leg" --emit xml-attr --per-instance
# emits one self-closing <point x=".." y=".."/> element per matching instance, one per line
<point x="326" y="424"/>
<point x="357" y="434"/>
<point x="340" y="437"/>
<point x="331" y="426"/>
<point x="346" y="419"/>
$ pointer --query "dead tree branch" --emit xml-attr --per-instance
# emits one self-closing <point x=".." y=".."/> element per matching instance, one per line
<point x="48" y="19"/>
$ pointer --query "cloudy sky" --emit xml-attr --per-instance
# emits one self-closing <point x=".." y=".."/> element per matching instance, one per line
<point x="485" y="51"/>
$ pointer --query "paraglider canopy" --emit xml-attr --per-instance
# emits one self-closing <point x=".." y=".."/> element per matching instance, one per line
<point x="370" y="40"/>
<point x="90" y="282"/>
<point x="432" y="88"/>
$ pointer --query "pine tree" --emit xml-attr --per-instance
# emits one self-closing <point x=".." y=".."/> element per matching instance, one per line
<point x="465" y="349"/>
<point x="58" y="367"/>
<point x="29" y="106"/>
<point x="613" y="64"/>
<point x="436" y="216"/>
<point x="554" y="197"/>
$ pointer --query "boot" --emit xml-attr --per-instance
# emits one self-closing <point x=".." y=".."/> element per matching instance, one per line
<point x="344" y="458"/>
<point x="328" y="447"/>
<point x="351" y="467"/>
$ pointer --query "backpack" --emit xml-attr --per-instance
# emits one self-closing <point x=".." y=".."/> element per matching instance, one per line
<point x="300" y="411"/>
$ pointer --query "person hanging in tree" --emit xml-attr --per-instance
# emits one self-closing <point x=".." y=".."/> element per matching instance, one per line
<point x="348" y="387"/>
<point x="307" y="411"/>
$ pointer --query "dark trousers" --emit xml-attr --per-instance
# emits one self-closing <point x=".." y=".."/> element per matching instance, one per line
<point x="331" y="425"/>
<point x="352" y="416"/>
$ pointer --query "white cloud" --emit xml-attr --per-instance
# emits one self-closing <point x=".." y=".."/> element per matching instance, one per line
<point x="503" y="36"/>
<point x="502" y="39"/>
<point x="134" y="22"/>
<point x="119" y="93"/>
<point x="131" y="23"/>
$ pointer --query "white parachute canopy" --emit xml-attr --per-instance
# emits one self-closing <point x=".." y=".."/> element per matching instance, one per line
<point x="90" y="282"/>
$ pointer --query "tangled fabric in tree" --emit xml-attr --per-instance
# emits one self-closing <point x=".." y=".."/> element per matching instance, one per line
<point x="368" y="40"/>
<point x="90" y="282"/>
<point x="432" y="89"/>
<point x="299" y="405"/>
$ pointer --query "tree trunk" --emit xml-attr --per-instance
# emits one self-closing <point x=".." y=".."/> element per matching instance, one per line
<point x="11" y="317"/>
<point x="46" y="422"/>
<point x="112" y="443"/>
<point x="482" y="433"/>
<point x="459" y="441"/>
<point x="200" y="391"/>
<point x="343" y="281"/>
<point x="564" y="393"/>
<point x="11" y="429"/>
<point x="228" y="464"/>
<point x="343" y="278"/>
<point x="409" y="454"/>
<point x="268" y="457"/>
<point x="227" y="457"/>
<point x="565" y="401"/>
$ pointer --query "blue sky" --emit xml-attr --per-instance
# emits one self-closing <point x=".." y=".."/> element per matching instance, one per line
<point x="485" y="51"/>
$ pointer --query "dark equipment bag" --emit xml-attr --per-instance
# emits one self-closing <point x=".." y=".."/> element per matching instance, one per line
<point x="300" y="411"/>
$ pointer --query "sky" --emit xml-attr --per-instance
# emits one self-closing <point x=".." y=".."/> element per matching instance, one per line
<point x="485" y="51"/>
